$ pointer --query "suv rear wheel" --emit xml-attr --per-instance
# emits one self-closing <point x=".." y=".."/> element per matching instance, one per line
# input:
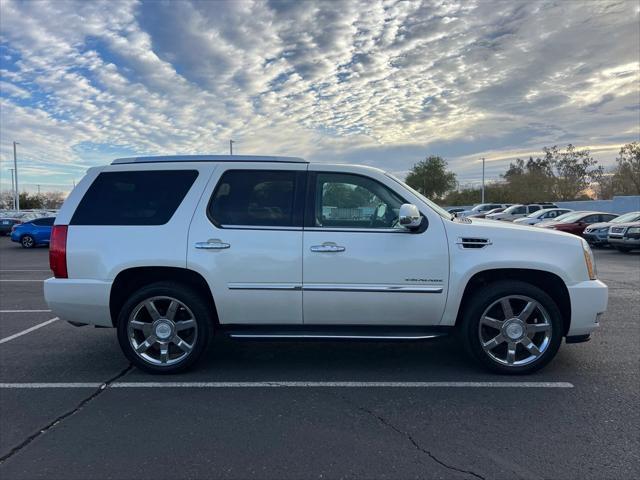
<point x="512" y="327"/>
<point x="164" y="327"/>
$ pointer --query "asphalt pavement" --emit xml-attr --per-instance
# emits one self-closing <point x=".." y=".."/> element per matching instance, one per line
<point x="238" y="416"/>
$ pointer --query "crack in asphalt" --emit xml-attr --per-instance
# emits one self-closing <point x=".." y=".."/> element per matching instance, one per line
<point x="66" y="415"/>
<point x="413" y="441"/>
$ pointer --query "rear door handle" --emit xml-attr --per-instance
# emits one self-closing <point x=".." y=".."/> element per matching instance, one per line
<point x="327" y="247"/>
<point x="212" y="245"/>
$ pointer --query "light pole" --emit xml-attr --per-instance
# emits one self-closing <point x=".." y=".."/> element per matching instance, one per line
<point x="15" y="166"/>
<point x="13" y="188"/>
<point x="38" y="189"/>
<point x="482" y="180"/>
<point x="231" y="142"/>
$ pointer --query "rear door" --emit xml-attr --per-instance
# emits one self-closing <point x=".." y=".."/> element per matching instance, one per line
<point x="360" y="267"/>
<point x="246" y="240"/>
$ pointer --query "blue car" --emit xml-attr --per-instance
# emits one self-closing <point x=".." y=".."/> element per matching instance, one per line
<point x="35" y="232"/>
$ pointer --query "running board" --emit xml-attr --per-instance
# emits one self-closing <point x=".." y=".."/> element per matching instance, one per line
<point x="333" y="332"/>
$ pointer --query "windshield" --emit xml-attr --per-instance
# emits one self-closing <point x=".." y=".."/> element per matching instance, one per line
<point x="538" y="213"/>
<point x="627" y="217"/>
<point x="436" y="208"/>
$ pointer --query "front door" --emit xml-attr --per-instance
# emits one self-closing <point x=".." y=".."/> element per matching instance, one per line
<point x="246" y="241"/>
<point x="361" y="267"/>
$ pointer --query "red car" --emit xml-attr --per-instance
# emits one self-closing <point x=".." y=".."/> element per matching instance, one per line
<point x="576" y="222"/>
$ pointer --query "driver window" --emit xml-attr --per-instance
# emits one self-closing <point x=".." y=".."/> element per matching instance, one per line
<point x="354" y="201"/>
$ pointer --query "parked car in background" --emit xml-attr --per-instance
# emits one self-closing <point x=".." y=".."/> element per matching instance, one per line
<point x="455" y="211"/>
<point x="625" y="237"/>
<point x="598" y="233"/>
<point x="542" y="215"/>
<point x="223" y="244"/>
<point x="484" y="215"/>
<point x="576" y="222"/>
<point x="6" y="224"/>
<point x="518" y="211"/>
<point x="481" y="208"/>
<point x="14" y="217"/>
<point x="33" y="233"/>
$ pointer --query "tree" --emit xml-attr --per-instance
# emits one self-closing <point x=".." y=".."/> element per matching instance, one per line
<point x="573" y="171"/>
<point x="431" y="177"/>
<point x="529" y="182"/>
<point x="626" y="177"/>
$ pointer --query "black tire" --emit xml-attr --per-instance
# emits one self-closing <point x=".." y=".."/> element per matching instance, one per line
<point x="196" y="307"/>
<point x="27" y="241"/>
<point x="623" y="249"/>
<point x="485" y="297"/>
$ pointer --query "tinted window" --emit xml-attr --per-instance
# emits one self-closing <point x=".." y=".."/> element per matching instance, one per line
<point x="534" y="208"/>
<point x="519" y="210"/>
<point x="44" y="222"/>
<point x="256" y="198"/>
<point x="134" y="198"/>
<point x="353" y="201"/>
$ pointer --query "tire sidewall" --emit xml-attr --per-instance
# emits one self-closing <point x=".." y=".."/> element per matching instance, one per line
<point x="188" y="297"/>
<point x="483" y="298"/>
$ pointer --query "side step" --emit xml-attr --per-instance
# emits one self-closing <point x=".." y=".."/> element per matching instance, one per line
<point x="333" y="332"/>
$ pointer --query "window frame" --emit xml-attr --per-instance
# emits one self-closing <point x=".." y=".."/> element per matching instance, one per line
<point x="299" y="190"/>
<point x="310" y="207"/>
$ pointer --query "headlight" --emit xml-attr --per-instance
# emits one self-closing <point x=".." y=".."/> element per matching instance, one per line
<point x="589" y="260"/>
<point x="633" y="230"/>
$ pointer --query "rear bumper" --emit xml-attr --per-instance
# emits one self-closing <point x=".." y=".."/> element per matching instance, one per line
<point x="81" y="301"/>
<point x="588" y="302"/>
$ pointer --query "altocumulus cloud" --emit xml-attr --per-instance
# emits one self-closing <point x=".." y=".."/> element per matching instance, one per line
<point x="375" y="82"/>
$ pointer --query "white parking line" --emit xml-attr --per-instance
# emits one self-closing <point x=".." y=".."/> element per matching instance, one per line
<point x="24" y="311"/>
<point x="28" y="330"/>
<point x="4" y="270"/>
<point x="286" y="384"/>
<point x="4" y="280"/>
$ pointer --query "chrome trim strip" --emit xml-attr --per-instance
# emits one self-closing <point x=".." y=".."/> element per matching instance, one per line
<point x="357" y="230"/>
<point x="330" y="287"/>
<point x="264" y="286"/>
<point x="334" y="288"/>
<point x="346" y="337"/>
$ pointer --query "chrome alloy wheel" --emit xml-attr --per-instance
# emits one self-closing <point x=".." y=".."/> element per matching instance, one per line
<point x="515" y="339"/>
<point x="27" y="241"/>
<point x="162" y="330"/>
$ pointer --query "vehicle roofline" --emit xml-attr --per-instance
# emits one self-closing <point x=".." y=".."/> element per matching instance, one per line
<point x="207" y="158"/>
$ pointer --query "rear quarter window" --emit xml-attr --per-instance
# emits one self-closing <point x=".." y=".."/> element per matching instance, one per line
<point x="134" y="198"/>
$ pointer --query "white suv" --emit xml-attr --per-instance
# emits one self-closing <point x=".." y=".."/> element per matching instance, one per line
<point x="170" y="250"/>
<point x="519" y="211"/>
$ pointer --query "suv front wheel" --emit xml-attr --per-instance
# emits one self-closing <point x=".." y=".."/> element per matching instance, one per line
<point x="164" y="327"/>
<point x="512" y="327"/>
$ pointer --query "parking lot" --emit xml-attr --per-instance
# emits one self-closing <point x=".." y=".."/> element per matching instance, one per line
<point x="72" y="407"/>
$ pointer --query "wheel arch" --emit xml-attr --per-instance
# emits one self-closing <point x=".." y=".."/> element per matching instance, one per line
<point x="549" y="282"/>
<point x="129" y="280"/>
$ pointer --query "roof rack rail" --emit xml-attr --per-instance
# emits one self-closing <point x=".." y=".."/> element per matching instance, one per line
<point x="208" y="158"/>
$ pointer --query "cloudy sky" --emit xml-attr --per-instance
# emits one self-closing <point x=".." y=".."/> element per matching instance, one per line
<point x="380" y="83"/>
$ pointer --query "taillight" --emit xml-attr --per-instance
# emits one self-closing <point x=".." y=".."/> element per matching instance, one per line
<point x="58" y="251"/>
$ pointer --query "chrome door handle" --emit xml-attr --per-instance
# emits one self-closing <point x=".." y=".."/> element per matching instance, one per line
<point x="212" y="245"/>
<point x="327" y="248"/>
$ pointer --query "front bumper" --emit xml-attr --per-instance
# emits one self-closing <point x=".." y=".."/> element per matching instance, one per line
<point x="624" y="242"/>
<point x="588" y="302"/>
<point x="596" y="238"/>
<point x="80" y="301"/>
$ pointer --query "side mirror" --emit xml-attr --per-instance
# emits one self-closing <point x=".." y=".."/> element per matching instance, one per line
<point x="409" y="216"/>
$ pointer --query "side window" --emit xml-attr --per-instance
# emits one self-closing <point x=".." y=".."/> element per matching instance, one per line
<point x="148" y="197"/>
<point x="552" y="214"/>
<point x="353" y="201"/>
<point x="44" y="222"/>
<point x="534" y="208"/>
<point x="591" y="219"/>
<point x="519" y="210"/>
<point x="261" y="198"/>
